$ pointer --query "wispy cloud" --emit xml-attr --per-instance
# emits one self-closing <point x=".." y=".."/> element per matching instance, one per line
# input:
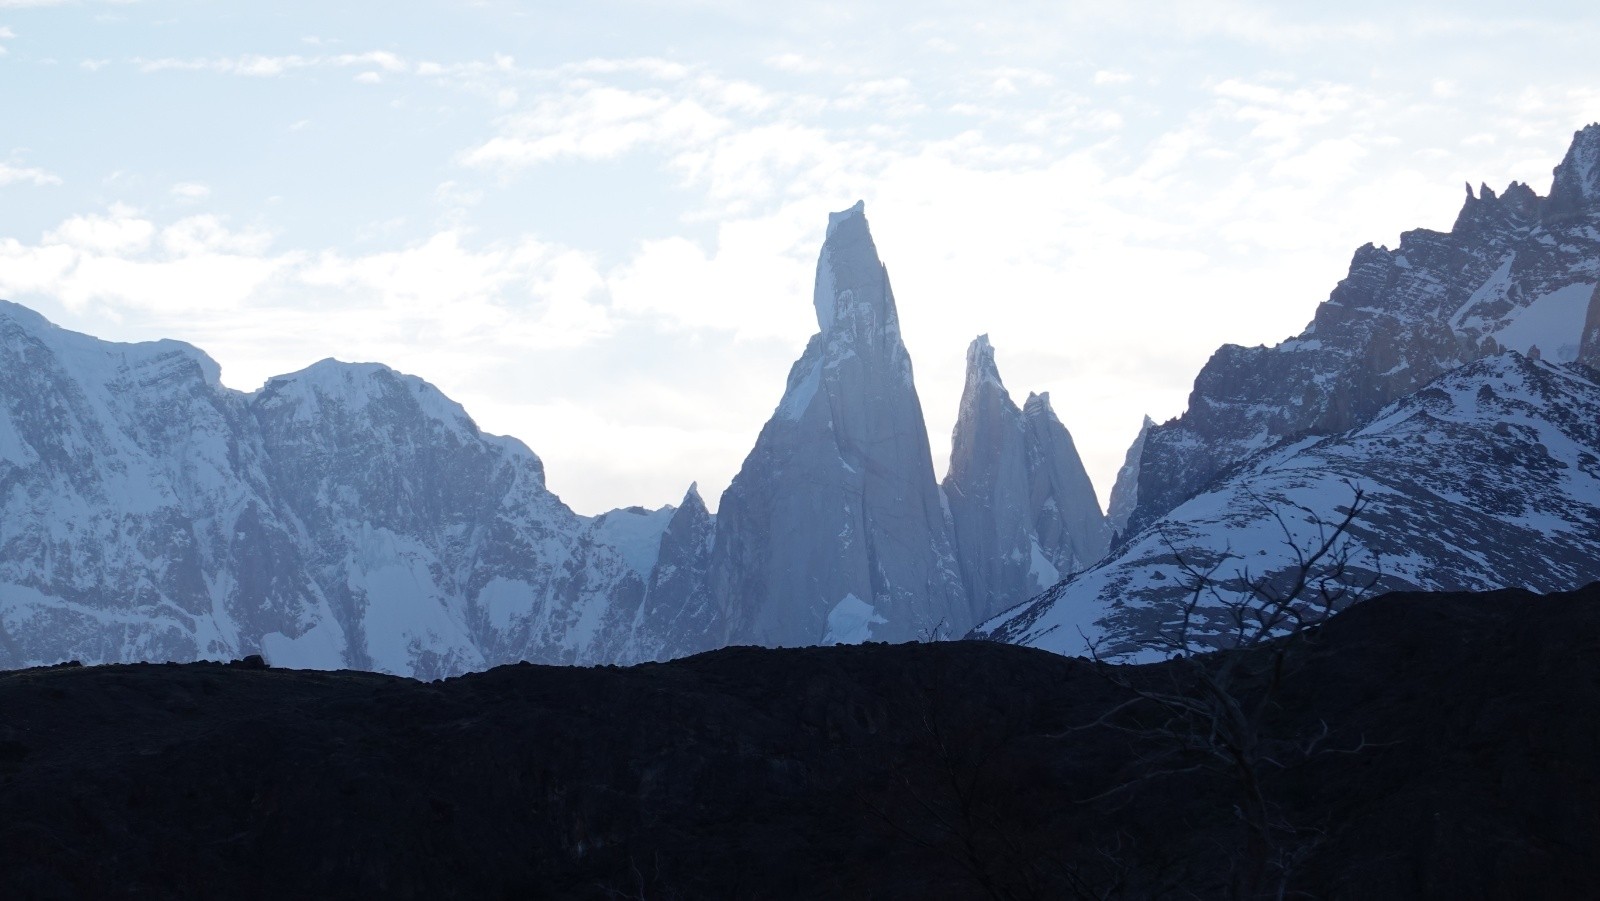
<point x="255" y="65"/>
<point x="26" y="175"/>
<point x="597" y="123"/>
<point x="190" y="191"/>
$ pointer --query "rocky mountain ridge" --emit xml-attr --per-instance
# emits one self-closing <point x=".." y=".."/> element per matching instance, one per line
<point x="344" y="515"/>
<point x="1450" y="380"/>
<point x="1487" y="477"/>
<point x="351" y="516"/>
<point x="1516" y="272"/>
<point x="1022" y="508"/>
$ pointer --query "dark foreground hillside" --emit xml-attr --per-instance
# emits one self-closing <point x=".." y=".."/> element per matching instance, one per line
<point x="946" y="770"/>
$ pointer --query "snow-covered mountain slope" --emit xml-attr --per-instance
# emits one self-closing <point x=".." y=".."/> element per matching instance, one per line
<point x="833" y="529"/>
<point x="136" y="519"/>
<point x="1023" y="511"/>
<point x="1489" y="477"/>
<point x="1516" y="272"/>
<point x="344" y="515"/>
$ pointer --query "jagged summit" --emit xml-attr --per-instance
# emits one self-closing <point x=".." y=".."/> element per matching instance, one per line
<point x="1577" y="179"/>
<point x="1021" y="505"/>
<point x="1125" y="491"/>
<point x="1516" y="271"/>
<point x="980" y="362"/>
<point x="852" y="283"/>
<point x="859" y="209"/>
<point x="1486" y="477"/>
<point x="833" y="529"/>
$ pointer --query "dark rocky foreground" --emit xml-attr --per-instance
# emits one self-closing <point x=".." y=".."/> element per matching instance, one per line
<point x="946" y="770"/>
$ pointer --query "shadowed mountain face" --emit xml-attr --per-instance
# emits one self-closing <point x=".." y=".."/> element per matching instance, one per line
<point x="1451" y="381"/>
<point x="1489" y="475"/>
<point x="1516" y="272"/>
<point x="1022" y="507"/>
<point x="952" y="770"/>
<point x="833" y="528"/>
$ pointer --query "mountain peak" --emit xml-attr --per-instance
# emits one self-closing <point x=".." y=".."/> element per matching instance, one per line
<point x="692" y="496"/>
<point x="1038" y="405"/>
<point x="834" y="521"/>
<point x="852" y="283"/>
<point x="980" y="362"/>
<point x="834" y="219"/>
<point x="1577" y="179"/>
<point x="363" y="386"/>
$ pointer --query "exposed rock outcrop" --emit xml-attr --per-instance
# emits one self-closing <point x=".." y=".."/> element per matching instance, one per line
<point x="1125" y="492"/>
<point x="1489" y="476"/>
<point x="833" y="528"/>
<point x="1515" y="272"/>
<point x="1023" y="510"/>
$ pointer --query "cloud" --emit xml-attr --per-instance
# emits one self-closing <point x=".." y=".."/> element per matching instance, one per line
<point x="190" y="191"/>
<point x="119" y="231"/>
<point x="740" y="288"/>
<point x="10" y="175"/>
<point x="255" y="65"/>
<point x="598" y="123"/>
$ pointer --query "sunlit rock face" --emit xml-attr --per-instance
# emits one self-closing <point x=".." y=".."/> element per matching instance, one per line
<point x="833" y="528"/>
<point x="1516" y="272"/>
<point x="1022" y="508"/>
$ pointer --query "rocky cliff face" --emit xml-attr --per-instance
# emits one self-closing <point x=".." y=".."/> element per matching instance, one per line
<point x="1589" y="345"/>
<point x="833" y="528"/>
<point x="1125" y="492"/>
<point x="1515" y="272"/>
<point x="1488" y="477"/>
<point x="1022" y="508"/>
<point x="680" y="616"/>
<point x="1067" y="519"/>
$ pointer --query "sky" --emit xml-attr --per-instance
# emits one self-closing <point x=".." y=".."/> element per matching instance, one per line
<point x="596" y="225"/>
